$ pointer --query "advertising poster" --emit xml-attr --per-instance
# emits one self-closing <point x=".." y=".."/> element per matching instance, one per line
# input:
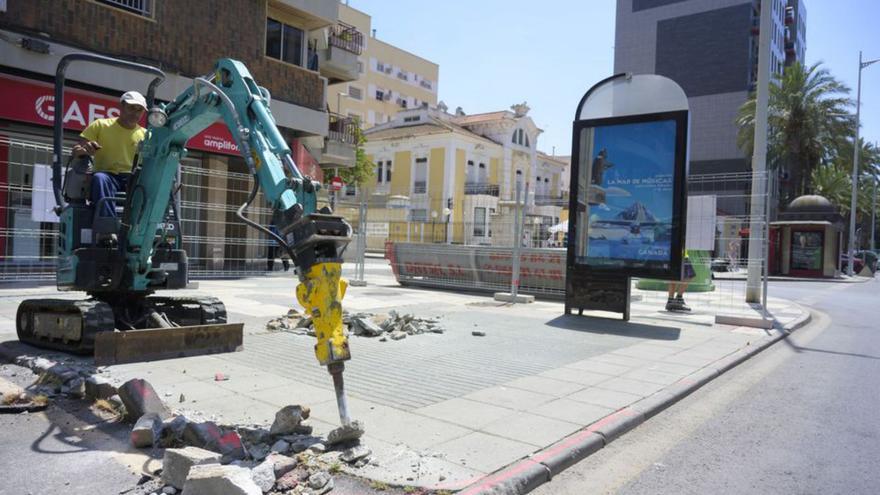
<point x="627" y="177"/>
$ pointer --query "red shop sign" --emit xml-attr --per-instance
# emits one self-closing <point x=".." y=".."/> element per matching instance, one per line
<point x="26" y="100"/>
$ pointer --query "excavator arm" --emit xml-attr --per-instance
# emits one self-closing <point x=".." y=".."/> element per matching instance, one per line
<point x="314" y="239"/>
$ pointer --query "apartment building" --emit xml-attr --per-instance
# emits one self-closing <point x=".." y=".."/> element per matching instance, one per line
<point x="453" y="177"/>
<point x="710" y="48"/>
<point x="292" y="47"/>
<point x="390" y="79"/>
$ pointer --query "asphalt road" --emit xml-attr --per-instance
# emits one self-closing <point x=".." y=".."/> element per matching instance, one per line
<point x="64" y="449"/>
<point x="802" y="417"/>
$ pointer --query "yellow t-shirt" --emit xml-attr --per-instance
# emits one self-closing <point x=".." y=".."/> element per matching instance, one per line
<point x="118" y="144"/>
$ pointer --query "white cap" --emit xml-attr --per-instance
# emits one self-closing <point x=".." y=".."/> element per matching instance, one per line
<point x="134" y="98"/>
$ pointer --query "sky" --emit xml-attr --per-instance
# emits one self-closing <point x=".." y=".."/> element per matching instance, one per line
<point x="495" y="53"/>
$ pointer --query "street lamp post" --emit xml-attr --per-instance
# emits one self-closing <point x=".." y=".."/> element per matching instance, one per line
<point x="855" y="172"/>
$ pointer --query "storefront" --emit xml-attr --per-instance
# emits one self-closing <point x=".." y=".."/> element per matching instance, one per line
<point x="214" y="183"/>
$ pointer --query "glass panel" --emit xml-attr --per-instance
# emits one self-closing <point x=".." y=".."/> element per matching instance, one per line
<point x="293" y="45"/>
<point x="625" y="198"/>
<point x="273" y="38"/>
<point x="640" y="94"/>
<point x="806" y="250"/>
<point x="479" y="222"/>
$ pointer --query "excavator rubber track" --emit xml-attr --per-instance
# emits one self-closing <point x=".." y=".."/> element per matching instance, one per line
<point x="63" y="324"/>
<point x="89" y="326"/>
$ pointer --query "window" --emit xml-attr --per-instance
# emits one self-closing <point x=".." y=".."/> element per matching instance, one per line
<point x="355" y="92"/>
<point x="479" y="222"/>
<point x="350" y="190"/>
<point x="403" y="75"/>
<point x="141" y="7"/>
<point x="360" y="67"/>
<point x="380" y="94"/>
<point x="380" y="67"/>
<point x="420" y="176"/>
<point x="284" y="42"/>
<point x="414" y="118"/>
<point x="383" y="172"/>
<point x="484" y="173"/>
<point x="418" y="215"/>
<point x="527" y="141"/>
<point x="471" y="172"/>
<point x="520" y="138"/>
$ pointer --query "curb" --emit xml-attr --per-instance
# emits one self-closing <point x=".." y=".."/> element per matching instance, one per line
<point x="529" y="473"/>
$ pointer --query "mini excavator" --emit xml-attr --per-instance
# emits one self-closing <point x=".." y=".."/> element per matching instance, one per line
<point x="121" y="320"/>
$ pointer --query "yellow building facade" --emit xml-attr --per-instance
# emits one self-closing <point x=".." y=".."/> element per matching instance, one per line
<point x="452" y="178"/>
<point x="390" y="79"/>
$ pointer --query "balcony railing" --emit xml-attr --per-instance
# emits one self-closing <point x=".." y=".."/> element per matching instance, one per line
<point x="471" y="188"/>
<point x="347" y="38"/>
<point x="420" y="187"/>
<point x="342" y="129"/>
<point x="142" y="7"/>
<point x="551" y="199"/>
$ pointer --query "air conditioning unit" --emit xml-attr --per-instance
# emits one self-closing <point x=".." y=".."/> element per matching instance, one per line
<point x="388" y="70"/>
<point x="388" y="96"/>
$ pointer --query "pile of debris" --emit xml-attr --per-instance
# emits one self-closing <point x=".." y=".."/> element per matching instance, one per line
<point x="203" y="457"/>
<point x="384" y="325"/>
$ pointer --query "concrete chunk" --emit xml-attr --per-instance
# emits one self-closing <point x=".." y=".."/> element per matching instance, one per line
<point x="209" y="436"/>
<point x="98" y="387"/>
<point x="140" y="398"/>
<point x="146" y="432"/>
<point x="288" y="419"/>
<point x="214" y="479"/>
<point x="264" y="475"/>
<point x="282" y="464"/>
<point x="177" y="463"/>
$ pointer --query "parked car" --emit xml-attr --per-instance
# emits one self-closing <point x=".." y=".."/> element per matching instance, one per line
<point x="858" y="264"/>
<point x="869" y="258"/>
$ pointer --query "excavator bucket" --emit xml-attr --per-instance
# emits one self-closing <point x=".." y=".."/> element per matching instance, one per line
<point x="152" y="344"/>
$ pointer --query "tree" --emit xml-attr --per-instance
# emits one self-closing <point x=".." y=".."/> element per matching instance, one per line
<point x="808" y="116"/>
<point x="363" y="169"/>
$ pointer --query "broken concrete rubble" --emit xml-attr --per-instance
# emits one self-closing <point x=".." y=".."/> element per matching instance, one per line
<point x="345" y="433"/>
<point x="208" y="435"/>
<point x="214" y="479"/>
<point x="171" y="433"/>
<point x="146" y="431"/>
<point x="140" y="398"/>
<point x="98" y="387"/>
<point x="354" y="454"/>
<point x="264" y="475"/>
<point x="288" y="419"/>
<point x="361" y="324"/>
<point x="177" y="463"/>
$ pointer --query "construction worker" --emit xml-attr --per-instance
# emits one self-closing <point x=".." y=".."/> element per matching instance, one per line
<point x="112" y="143"/>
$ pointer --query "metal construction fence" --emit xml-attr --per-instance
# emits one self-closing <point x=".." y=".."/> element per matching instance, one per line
<point x="430" y="243"/>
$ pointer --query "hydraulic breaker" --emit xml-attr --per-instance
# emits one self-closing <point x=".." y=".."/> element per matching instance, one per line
<point x="320" y="292"/>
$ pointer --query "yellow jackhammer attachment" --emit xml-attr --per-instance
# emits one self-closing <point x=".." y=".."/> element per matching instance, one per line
<point x="320" y="293"/>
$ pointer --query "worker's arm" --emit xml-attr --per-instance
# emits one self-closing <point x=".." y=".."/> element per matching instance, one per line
<point x="88" y="143"/>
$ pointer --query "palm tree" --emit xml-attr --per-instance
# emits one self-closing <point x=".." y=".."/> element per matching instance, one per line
<point x="832" y="182"/>
<point x="808" y="116"/>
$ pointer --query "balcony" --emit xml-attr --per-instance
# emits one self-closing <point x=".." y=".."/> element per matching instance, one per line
<point x="474" y="188"/>
<point x="551" y="200"/>
<point x="139" y="7"/>
<point x="789" y="47"/>
<point x="339" y="61"/>
<point x="789" y="16"/>
<point x="340" y="145"/>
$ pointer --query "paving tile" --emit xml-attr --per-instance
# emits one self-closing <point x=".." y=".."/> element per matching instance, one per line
<point x="646" y="351"/>
<point x="613" y="399"/>
<point x="467" y="413"/>
<point x="575" y="375"/>
<point x="653" y="376"/>
<point x="192" y="390"/>
<point x="510" y="397"/>
<point x="539" y="431"/>
<point x="484" y="452"/>
<point x="596" y="366"/>
<point x="292" y="393"/>
<point x="397" y="463"/>
<point x="239" y="410"/>
<point x="676" y="369"/>
<point x="573" y="411"/>
<point x="629" y="386"/>
<point x="623" y="360"/>
<point x="544" y="385"/>
<point x="393" y="425"/>
<point x="251" y="381"/>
